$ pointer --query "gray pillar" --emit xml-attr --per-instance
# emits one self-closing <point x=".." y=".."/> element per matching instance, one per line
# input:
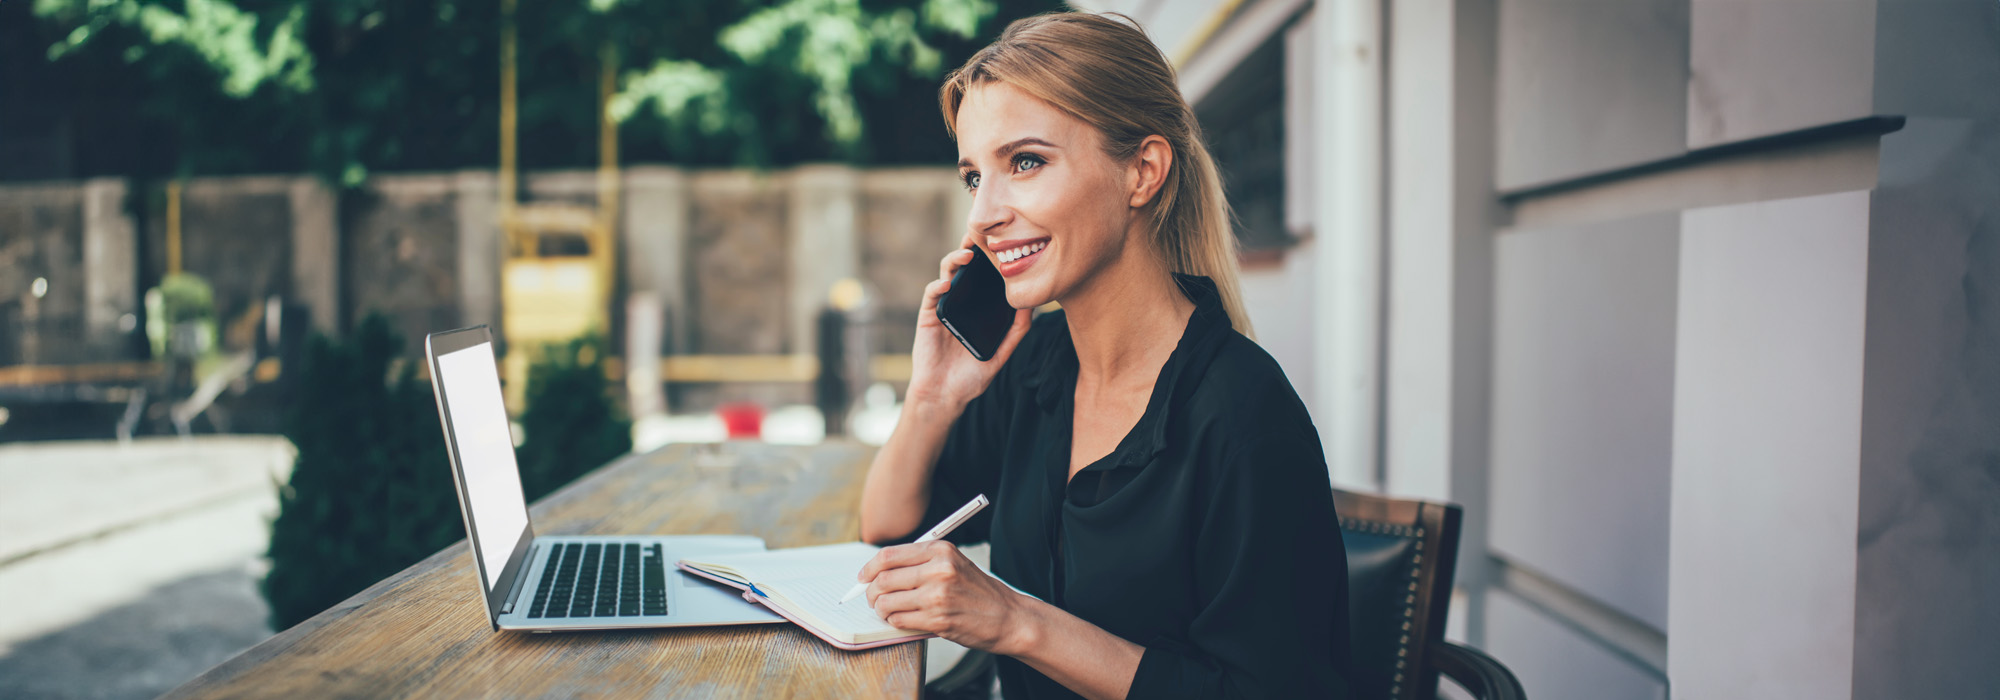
<point x="825" y="244"/>
<point x="478" y="248"/>
<point x="110" y="264"/>
<point x="654" y="229"/>
<point x="316" y="251"/>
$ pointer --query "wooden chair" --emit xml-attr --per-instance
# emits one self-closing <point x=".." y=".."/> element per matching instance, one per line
<point x="1401" y="556"/>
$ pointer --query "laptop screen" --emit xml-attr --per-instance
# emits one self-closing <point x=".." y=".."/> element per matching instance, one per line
<point x="479" y="432"/>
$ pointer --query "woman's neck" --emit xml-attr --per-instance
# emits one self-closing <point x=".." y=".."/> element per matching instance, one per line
<point x="1128" y="319"/>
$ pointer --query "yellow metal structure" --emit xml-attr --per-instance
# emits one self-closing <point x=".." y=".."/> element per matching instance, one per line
<point x="174" y="227"/>
<point x="558" y="269"/>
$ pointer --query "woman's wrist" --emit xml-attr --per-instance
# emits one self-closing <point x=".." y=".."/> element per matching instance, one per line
<point x="930" y="409"/>
<point x="1026" y="627"/>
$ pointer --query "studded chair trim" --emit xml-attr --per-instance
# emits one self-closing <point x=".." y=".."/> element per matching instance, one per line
<point x="1432" y="530"/>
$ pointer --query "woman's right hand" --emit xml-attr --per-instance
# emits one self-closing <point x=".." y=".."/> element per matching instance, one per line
<point x="943" y="373"/>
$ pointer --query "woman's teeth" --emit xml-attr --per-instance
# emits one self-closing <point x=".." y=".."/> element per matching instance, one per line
<point x="1013" y="254"/>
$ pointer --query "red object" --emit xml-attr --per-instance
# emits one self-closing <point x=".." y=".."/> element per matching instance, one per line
<point x="743" y="419"/>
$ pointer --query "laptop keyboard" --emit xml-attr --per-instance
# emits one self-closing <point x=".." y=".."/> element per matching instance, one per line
<point x="601" y="580"/>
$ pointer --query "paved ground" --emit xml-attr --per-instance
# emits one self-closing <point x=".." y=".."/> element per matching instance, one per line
<point x="144" y="648"/>
<point x="138" y="563"/>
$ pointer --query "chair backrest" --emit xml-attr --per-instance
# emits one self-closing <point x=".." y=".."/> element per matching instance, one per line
<point x="1401" y="556"/>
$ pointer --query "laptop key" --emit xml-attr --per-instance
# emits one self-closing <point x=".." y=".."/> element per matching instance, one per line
<point x="565" y="581"/>
<point x="628" y="582"/>
<point x="550" y="564"/>
<point x="607" y="583"/>
<point x="586" y="582"/>
<point x="653" y="597"/>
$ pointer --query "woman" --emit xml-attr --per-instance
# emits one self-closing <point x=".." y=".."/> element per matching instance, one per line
<point x="1157" y="486"/>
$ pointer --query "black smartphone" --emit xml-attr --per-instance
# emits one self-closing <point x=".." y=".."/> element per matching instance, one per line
<point x="975" y="309"/>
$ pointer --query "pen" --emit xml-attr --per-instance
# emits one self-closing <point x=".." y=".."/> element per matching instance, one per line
<point x="964" y="513"/>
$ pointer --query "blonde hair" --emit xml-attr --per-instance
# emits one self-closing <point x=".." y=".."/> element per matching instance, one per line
<point x="1107" y="73"/>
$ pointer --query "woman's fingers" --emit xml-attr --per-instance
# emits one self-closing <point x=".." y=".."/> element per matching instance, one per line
<point x="894" y="580"/>
<point x="932" y="291"/>
<point x="952" y="261"/>
<point x="895" y="558"/>
<point x="889" y="604"/>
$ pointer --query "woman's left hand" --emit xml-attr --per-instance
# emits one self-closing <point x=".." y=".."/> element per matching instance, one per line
<point x="932" y="587"/>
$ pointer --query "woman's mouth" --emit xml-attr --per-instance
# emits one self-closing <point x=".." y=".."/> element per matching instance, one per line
<point x="1015" y="260"/>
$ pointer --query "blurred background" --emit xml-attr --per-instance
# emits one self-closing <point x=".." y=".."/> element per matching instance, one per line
<point x="1690" y="303"/>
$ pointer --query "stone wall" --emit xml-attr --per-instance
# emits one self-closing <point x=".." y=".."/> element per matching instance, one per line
<point x="72" y="236"/>
<point x="739" y="261"/>
<point x="236" y="232"/>
<point x="400" y="252"/>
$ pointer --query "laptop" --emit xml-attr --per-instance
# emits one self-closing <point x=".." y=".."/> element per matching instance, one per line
<point x="544" y="584"/>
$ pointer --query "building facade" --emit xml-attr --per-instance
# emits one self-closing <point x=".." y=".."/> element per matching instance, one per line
<point x="1690" y="303"/>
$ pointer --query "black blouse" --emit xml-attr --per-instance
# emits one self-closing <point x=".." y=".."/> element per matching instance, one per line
<point x="1207" y="536"/>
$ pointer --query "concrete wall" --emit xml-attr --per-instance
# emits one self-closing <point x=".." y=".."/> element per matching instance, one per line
<point x="399" y="254"/>
<point x="1699" y="333"/>
<point x="1739" y="443"/>
<point x="1928" y="540"/>
<point x="78" y="238"/>
<point x="739" y="261"/>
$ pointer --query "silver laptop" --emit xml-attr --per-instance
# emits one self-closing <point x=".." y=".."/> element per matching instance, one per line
<point x="545" y="584"/>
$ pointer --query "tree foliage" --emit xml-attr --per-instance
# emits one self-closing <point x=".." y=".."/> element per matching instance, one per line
<point x="345" y="87"/>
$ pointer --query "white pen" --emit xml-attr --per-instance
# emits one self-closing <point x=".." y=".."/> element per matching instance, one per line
<point x="964" y="513"/>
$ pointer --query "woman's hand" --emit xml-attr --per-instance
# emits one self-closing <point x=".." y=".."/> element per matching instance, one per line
<point x="932" y="587"/>
<point x="943" y="373"/>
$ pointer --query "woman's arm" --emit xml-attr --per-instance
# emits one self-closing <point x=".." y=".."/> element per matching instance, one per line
<point x="944" y="378"/>
<point x="1083" y="657"/>
<point x="932" y="587"/>
<point x="898" y="489"/>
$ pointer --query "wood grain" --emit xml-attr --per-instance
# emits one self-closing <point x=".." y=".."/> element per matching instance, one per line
<point x="424" y="632"/>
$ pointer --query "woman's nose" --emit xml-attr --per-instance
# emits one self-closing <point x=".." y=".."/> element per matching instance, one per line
<point x="989" y="209"/>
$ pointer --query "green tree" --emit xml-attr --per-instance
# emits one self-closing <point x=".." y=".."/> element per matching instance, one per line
<point x="343" y="87"/>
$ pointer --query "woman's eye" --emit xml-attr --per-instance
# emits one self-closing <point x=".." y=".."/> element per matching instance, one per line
<point x="971" y="180"/>
<point x="1027" y="161"/>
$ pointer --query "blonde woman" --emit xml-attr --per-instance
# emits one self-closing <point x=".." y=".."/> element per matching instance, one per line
<point x="1156" y="483"/>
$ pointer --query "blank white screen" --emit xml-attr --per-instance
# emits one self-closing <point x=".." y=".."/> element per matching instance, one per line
<point x="479" y="428"/>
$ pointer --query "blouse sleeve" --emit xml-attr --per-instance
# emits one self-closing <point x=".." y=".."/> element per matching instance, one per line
<point x="1272" y="581"/>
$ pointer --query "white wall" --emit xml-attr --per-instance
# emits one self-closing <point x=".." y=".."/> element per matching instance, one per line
<point x="1766" y="447"/>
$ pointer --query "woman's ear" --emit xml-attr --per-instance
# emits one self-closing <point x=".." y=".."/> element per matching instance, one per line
<point x="1149" y="169"/>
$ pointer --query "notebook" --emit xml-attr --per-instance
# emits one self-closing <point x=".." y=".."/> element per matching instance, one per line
<point x="804" y="585"/>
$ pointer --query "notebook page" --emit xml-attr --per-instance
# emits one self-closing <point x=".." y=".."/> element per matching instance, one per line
<point x="838" y="560"/>
<point x="818" y="601"/>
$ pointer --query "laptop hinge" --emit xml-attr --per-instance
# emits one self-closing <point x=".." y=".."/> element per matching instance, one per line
<point x="520" y="580"/>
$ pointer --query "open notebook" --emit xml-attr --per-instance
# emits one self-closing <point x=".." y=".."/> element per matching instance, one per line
<point x="805" y="585"/>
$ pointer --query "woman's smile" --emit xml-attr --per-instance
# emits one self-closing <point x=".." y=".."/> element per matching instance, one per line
<point x="1015" y="257"/>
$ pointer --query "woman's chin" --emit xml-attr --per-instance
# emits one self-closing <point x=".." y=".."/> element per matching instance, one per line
<point x="1025" y="295"/>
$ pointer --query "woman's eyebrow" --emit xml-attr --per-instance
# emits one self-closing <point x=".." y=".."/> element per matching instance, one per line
<point x="1011" y="147"/>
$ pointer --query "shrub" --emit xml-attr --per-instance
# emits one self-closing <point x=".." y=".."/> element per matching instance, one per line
<point x="570" y="425"/>
<point x="186" y="297"/>
<point x="371" y="491"/>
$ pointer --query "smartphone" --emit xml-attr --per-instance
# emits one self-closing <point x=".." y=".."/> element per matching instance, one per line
<point x="975" y="309"/>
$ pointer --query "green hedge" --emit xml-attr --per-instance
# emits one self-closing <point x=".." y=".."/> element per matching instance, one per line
<point x="371" y="491"/>
<point x="570" y="426"/>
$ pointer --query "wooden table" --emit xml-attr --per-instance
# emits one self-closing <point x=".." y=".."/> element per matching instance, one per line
<point x="424" y="632"/>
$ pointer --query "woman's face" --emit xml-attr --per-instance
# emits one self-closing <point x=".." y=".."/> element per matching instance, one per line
<point x="1049" y="208"/>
